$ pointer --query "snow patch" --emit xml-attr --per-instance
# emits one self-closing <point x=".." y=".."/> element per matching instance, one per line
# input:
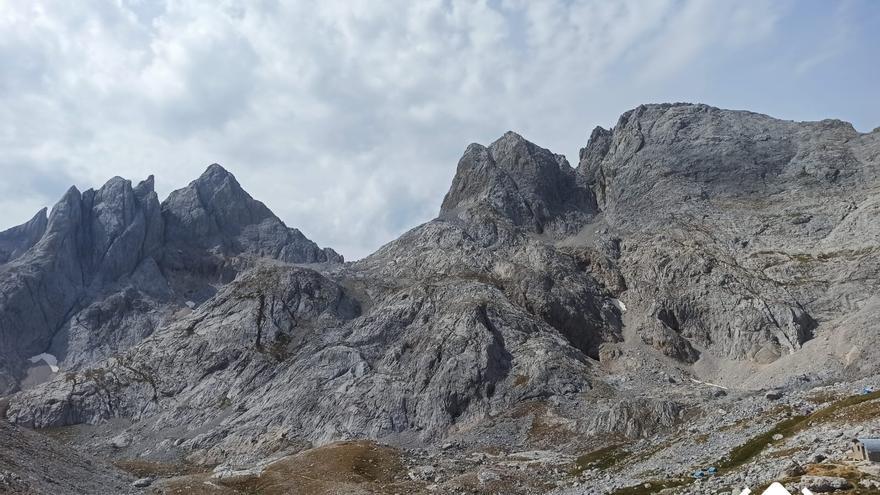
<point x="47" y="358"/>
<point x="619" y="305"/>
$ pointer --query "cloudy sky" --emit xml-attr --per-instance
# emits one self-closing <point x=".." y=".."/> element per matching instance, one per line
<point x="347" y="117"/>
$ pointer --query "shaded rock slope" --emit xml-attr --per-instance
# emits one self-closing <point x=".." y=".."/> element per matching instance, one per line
<point x="690" y="243"/>
<point x="31" y="463"/>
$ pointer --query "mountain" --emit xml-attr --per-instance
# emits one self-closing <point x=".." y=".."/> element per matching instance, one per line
<point x="595" y="324"/>
<point x="215" y="216"/>
<point x="732" y="226"/>
<point x="109" y="266"/>
<point x="17" y="240"/>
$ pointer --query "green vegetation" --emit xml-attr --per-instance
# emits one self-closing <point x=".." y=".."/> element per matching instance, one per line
<point x="603" y="458"/>
<point x="745" y="452"/>
<point x="829" y="412"/>
<point x="749" y="450"/>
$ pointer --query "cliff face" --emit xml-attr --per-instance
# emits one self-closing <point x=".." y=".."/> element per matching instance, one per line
<point x="16" y="241"/>
<point x="658" y="156"/>
<point x="93" y="277"/>
<point x="521" y="182"/>
<point x="729" y="224"/>
<point x="689" y="242"/>
<point x="215" y="216"/>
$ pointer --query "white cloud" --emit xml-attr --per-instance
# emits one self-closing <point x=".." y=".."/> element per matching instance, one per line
<point x="345" y="117"/>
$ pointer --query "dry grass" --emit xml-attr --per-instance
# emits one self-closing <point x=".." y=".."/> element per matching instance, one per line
<point x="860" y="412"/>
<point x="737" y="425"/>
<point x="547" y="430"/>
<point x="822" y="397"/>
<point x="143" y="468"/>
<point x="837" y="470"/>
<point x="195" y="485"/>
<point x="787" y="452"/>
<point x="523" y="409"/>
<point x="342" y="467"/>
<point x="653" y="486"/>
<point x="602" y="459"/>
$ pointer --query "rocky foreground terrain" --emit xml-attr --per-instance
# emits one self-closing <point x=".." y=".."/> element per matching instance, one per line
<point x="690" y="309"/>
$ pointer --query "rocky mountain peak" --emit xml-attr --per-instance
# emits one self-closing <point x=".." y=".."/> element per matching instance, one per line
<point x="146" y="186"/>
<point x="65" y="212"/>
<point x="660" y="154"/>
<point x="520" y="182"/>
<point x="215" y="215"/>
<point x="216" y="171"/>
<point x="99" y="265"/>
<point x="733" y="253"/>
<point x="217" y="180"/>
<point x="15" y="241"/>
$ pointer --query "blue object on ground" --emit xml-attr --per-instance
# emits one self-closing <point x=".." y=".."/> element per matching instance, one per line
<point x="712" y="470"/>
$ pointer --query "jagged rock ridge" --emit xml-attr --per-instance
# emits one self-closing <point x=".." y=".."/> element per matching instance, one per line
<point x="16" y="241"/>
<point x="529" y="186"/>
<point x="690" y="242"/>
<point x="107" y="266"/>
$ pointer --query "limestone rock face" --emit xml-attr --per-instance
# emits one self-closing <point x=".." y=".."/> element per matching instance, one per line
<point x="722" y="217"/>
<point x="16" y="241"/>
<point x="459" y="320"/>
<point x="215" y="216"/>
<point x="544" y="304"/>
<point x="666" y="156"/>
<point x="108" y="266"/>
<point x="92" y="240"/>
<point x="521" y="182"/>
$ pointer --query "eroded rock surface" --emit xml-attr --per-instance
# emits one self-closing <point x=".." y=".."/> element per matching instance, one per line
<point x="695" y="254"/>
<point x="109" y="265"/>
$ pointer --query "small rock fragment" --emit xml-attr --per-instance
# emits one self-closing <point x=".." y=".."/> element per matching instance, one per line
<point x="142" y="483"/>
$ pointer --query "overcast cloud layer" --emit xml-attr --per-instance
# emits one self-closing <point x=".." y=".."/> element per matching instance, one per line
<point x="347" y="117"/>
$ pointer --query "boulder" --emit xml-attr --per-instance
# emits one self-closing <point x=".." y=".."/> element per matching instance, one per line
<point x="824" y="484"/>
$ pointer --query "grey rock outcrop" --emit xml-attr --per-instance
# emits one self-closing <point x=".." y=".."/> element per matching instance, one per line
<point x="521" y="182"/>
<point x="636" y="418"/>
<point x="726" y="221"/>
<point x="92" y="239"/>
<point x="543" y="305"/>
<point x="109" y="265"/>
<point x="16" y="241"/>
<point x="824" y="484"/>
<point x="685" y="152"/>
<point x="215" y="216"/>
